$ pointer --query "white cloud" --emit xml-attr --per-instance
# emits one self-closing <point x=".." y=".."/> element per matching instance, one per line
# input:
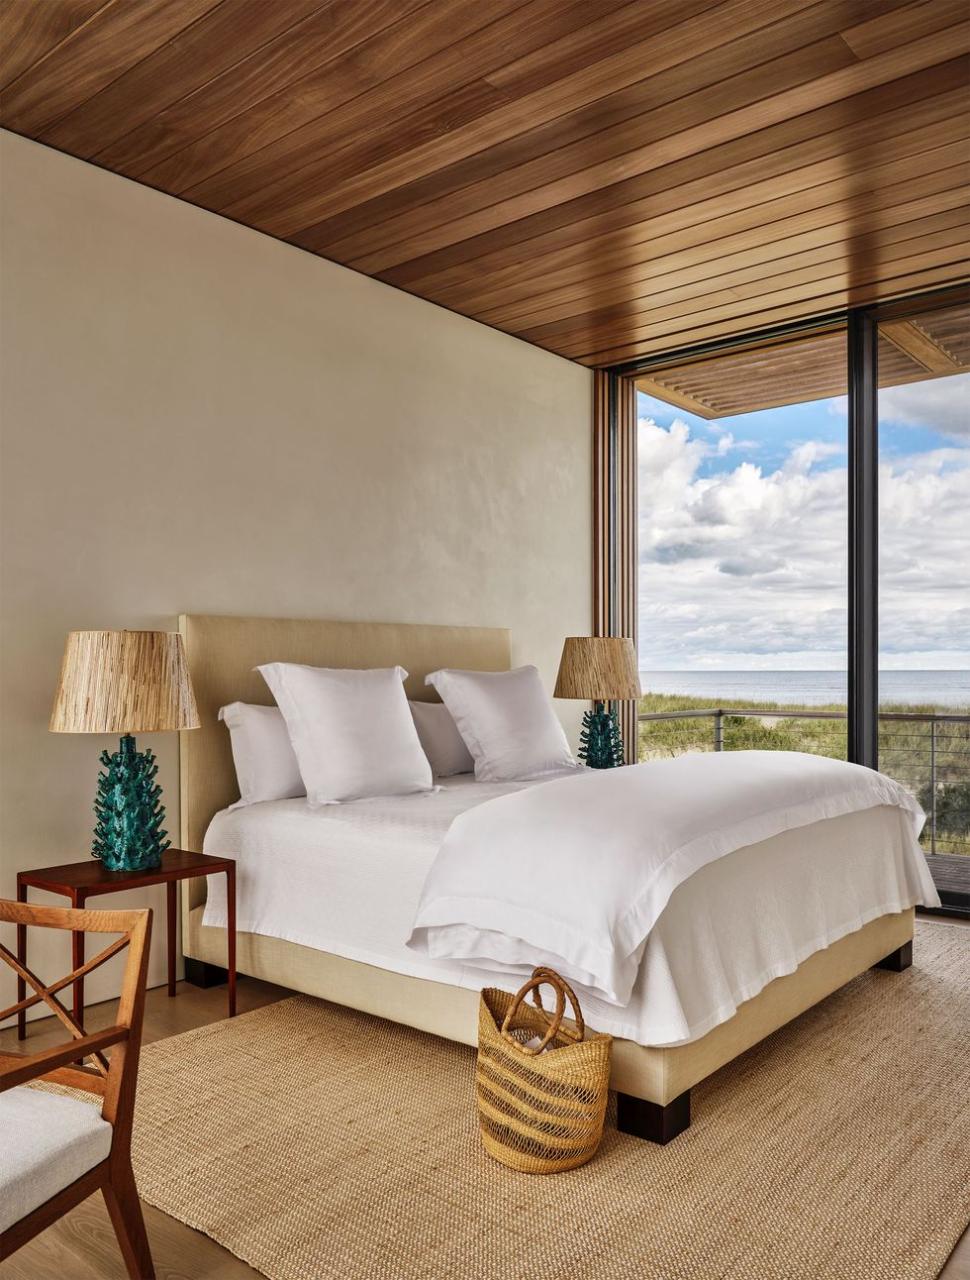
<point x="804" y="456"/>
<point x="726" y="443"/>
<point x="747" y="568"/>
<point x="941" y="404"/>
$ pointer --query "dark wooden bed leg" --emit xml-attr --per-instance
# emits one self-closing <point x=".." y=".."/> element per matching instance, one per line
<point x="651" y="1121"/>
<point x="202" y="974"/>
<point x="897" y="960"/>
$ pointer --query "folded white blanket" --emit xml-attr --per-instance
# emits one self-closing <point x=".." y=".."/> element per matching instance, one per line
<point x="575" y="873"/>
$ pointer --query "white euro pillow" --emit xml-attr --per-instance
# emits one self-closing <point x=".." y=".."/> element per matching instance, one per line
<point x="266" y="767"/>
<point x="440" y="740"/>
<point x="352" y="731"/>
<point x="507" y="722"/>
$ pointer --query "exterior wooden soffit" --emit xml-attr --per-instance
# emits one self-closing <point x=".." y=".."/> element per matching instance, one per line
<point x="919" y="346"/>
<point x="680" y="399"/>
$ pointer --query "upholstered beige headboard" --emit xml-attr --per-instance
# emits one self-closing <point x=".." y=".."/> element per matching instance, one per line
<point x="223" y="652"/>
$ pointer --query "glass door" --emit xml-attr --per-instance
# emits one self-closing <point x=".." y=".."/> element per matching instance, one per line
<point x="924" y="577"/>
<point x="746" y="459"/>
<point x="742" y="549"/>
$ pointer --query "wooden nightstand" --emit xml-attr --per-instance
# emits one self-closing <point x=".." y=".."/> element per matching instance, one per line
<point x="80" y="881"/>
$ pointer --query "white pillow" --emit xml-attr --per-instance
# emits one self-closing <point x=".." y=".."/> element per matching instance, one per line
<point x="352" y="731"/>
<point x="507" y="722"/>
<point x="442" y="743"/>
<point x="266" y="768"/>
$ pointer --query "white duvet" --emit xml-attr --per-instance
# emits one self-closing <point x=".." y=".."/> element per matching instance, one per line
<point x="576" y="873"/>
<point x="348" y="880"/>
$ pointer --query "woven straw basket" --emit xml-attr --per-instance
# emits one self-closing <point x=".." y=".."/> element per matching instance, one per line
<point x="541" y="1105"/>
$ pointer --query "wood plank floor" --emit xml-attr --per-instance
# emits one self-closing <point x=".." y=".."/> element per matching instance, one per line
<point x="82" y="1245"/>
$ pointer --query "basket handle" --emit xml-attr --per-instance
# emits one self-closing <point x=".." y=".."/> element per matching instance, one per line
<point x="563" y="992"/>
<point x="557" y="980"/>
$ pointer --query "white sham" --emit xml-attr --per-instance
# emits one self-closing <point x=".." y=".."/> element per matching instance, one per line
<point x="352" y="731"/>
<point x="440" y="740"/>
<point x="507" y="722"/>
<point x="266" y="767"/>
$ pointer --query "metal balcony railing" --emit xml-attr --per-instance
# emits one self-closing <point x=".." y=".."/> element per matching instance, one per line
<point x="928" y="752"/>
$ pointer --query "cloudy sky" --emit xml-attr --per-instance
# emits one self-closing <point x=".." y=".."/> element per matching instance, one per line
<point x="743" y="532"/>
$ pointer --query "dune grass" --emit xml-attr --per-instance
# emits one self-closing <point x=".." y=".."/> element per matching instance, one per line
<point x="932" y="769"/>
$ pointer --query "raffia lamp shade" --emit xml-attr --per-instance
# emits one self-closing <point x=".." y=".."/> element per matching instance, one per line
<point x="600" y="668"/>
<point x="124" y="682"/>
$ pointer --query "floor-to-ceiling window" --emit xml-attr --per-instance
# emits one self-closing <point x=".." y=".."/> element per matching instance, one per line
<point x="744" y="624"/>
<point x="924" y="576"/>
<point x="742" y="549"/>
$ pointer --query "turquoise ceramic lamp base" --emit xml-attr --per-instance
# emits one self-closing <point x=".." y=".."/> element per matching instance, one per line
<point x="129" y="834"/>
<point x="601" y="743"/>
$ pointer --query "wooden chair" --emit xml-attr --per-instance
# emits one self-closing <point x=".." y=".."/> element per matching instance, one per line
<point x="58" y="1150"/>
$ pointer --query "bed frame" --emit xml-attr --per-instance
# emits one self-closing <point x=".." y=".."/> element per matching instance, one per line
<point x="653" y="1083"/>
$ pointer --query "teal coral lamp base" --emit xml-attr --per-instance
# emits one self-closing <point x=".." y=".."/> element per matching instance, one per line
<point x="129" y="835"/>
<point x="600" y="742"/>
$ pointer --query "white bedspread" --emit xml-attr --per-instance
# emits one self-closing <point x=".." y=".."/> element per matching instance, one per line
<point x="576" y="873"/>
<point x="347" y="880"/>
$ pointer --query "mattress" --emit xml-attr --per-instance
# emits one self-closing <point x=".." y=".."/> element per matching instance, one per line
<point x="346" y="879"/>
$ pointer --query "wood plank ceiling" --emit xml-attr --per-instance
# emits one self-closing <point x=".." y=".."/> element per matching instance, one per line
<point x="604" y="179"/>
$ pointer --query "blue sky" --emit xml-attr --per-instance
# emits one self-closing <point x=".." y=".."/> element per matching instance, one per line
<point x="742" y="533"/>
<point x="773" y="433"/>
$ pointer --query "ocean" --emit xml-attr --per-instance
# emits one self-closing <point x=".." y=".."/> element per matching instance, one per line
<point x="947" y="690"/>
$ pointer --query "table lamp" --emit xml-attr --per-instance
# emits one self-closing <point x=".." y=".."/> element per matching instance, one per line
<point x="125" y="682"/>
<point x="601" y="669"/>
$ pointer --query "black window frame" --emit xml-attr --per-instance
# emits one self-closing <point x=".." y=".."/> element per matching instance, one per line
<point x="861" y="325"/>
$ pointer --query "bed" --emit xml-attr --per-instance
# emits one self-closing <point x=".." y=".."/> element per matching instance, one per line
<point x="357" y="958"/>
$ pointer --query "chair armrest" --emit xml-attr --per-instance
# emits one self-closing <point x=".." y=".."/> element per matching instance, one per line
<point x="62" y="1055"/>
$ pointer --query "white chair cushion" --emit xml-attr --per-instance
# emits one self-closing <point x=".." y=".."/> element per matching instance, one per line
<point x="47" y="1141"/>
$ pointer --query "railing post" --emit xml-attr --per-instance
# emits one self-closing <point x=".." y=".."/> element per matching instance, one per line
<point x="932" y="784"/>
<point x="718" y="730"/>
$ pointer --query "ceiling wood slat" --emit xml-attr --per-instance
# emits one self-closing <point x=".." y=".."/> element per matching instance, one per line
<point x="279" y="129"/>
<point x="703" y="327"/>
<point x="28" y="33"/>
<point x="753" y="212"/>
<point x="94" y="54"/>
<point x="686" y="77"/>
<point x="809" y="283"/>
<point x="608" y="181"/>
<point x="815" y="276"/>
<point x="880" y="33"/>
<point x="421" y="232"/>
<point x="820" y="212"/>
<point x="350" y="140"/>
<point x="541" y="123"/>
<point x="297" y="158"/>
<point x="780" y="152"/>
<point x="882" y="247"/>
<point x="216" y="42"/>
<point x="189" y="123"/>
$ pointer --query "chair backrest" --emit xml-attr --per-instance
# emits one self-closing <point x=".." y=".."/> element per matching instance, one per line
<point x="113" y="1078"/>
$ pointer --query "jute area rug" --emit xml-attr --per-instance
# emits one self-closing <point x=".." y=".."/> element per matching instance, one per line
<point x="318" y="1143"/>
